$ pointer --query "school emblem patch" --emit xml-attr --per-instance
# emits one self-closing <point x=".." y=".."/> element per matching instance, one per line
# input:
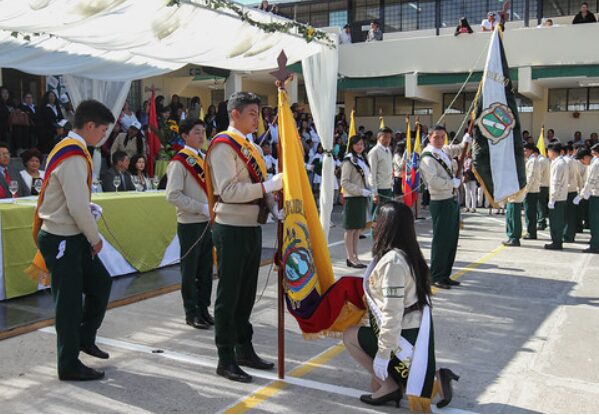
<point x="191" y="161"/>
<point x="496" y="122"/>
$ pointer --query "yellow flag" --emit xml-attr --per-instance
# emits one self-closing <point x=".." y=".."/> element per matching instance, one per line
<point x="408" y="137"/>
<point x="202" y="115"/>
<point x="541" y="143"/>
<point x="381" y="122"/>
<point x="352" y="124"/>
<point x="306" y="263"/>
<point x="261" y="128"/>
<point x="446" y="139"/>
<point x="417" y="143"/>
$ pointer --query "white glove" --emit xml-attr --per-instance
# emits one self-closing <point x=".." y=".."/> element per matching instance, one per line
<point x="366" y="193"/>
<point x="456" y="182"/>
<point x="309" y="167"/>
<point x="467" y="138"/>
<point x="277" y="214"/>
<point x="551" y="204"/>
<point x="96" y="211"/>
<point x="275" y="184"/>
<point x="586" y="195"/>
<point x="379" y="366"/>
<point x="205" y="209"/>
<point x="577" y="200"/>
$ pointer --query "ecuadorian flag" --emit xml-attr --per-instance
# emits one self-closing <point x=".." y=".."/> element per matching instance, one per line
<point x="320" y="304"/>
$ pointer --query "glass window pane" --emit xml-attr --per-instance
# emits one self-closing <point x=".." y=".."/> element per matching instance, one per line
<point x="458" y="105"/>
<point x="524" y="104"/>
<point x="422" y="108"/>
<point x="338" y="18"/>
<point x="302" y="13"/>
<point x="451" y="12"/>
<point x="557" y="100"/>
<point x="409" y="16"/>
<point x="553" y="8"/>
<point x="426" y="14"/>
<point x="577" y="99"/>
<point x="475" y="11"/>
<point x="468" y="98"/>
<point x="403" y="106"/>
<point x="384" y="105"/>
<point x="593" y="99"/>
<point x="364" y="106"/>
<point x="392" y="16"/>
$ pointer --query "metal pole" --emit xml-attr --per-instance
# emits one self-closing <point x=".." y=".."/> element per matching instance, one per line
<point x="280" y="285"/>
<point x="437" y="16"/>
<point x="526" y="13"/>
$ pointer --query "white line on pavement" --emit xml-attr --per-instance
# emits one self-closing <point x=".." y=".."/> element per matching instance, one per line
<point x="210" y="363"/>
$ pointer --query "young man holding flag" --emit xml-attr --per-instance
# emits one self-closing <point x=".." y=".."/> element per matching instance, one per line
<point x="439" y="175"/>
<point x="186" y="189"/>
<point x="240" y="197"/>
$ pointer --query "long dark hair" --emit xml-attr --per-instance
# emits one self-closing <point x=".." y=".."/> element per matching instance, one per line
<point x="133" y="162"/>
<point x="394" y="229"/>
<point x="352" y="141"/>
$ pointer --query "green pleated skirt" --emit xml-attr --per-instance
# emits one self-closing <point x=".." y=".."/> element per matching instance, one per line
<point x="354" y="212"/>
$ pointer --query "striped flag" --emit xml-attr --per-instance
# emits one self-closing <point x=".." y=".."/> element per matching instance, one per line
<point x="411" y="176"/>
<point x="497" y="151"/>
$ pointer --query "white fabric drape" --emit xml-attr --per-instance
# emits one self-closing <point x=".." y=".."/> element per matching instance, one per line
<point x="139" y="36"/>
<point x="111" y="93"/>
<point x="320" y="76"/>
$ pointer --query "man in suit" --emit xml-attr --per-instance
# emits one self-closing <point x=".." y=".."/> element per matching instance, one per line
<point x="9" y="173"/>
<point x="120" y="166"/>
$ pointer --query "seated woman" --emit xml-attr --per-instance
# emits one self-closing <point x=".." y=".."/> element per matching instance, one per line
<point x="32" y="175"/>
<point x="398" y="290"/>
<point x="131" y="142"/>
<point x="137" y="168"/>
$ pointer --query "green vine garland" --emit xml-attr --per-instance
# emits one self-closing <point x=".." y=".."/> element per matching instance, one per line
<point x="307" y="32"/>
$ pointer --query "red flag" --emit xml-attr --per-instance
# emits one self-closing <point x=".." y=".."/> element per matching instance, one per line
<point x="153" y="142"/>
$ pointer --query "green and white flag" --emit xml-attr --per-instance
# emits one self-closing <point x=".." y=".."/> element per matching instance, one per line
<point x="497" y="150"/>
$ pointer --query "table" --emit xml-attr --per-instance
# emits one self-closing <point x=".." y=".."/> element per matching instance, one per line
<point x="139" y="230"/>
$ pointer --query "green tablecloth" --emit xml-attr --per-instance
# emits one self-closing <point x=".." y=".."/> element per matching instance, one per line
<point x="140" y="227"/>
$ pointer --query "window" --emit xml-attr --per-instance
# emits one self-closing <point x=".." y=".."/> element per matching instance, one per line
<point x="338" y="18"/>
<point x="319" y="14"/>
<point x="426" y="14"/>
<point x="593" y="99"/>
<point x="364" y="106"/>
<point x="403" y="106"/>
<point x="577" y="99"/>
<point x="134" y="96"/>
<point x="458" y="104"/>
<point x="422" y="108"/>
<point x="573" y="99"/>
<point x="524" y="104"/>
<point x="384" y="104"/>
<point x="367" y="10"/>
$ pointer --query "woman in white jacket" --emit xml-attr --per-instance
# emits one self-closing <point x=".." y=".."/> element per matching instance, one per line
<point x="397" y="289"/>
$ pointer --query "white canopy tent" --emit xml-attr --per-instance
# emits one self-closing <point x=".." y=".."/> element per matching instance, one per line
<point x="102" y="45"/>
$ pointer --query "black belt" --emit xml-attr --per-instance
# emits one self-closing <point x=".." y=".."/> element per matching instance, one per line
<point x="412" y="308"/>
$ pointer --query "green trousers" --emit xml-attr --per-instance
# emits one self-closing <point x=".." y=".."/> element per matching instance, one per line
<point x="530" y="213"/>
<point x="196" y="267"/>
<point x="543" y="211"/>
<point x="238" y="252"/>
<point x="385" y="195"/>
<point x="513" y="221"/>
<point x="557" y="222"/>
<point x="446" y="231"/>
<point x="594" y="221"/>
<point x="571" y="218"/>
<point x="583" y="216"/>
<point x="74" y="272"/>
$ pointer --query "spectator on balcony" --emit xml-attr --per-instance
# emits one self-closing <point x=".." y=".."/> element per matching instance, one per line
<point x="264" y="6"/>
<point x="374" y="34"/>
<point x="547" y="23"/>
<point x="584" y="16"/>
<point x="489" y="24"/>
<point x="463" y="27"/>
<point x="345" y="36"/>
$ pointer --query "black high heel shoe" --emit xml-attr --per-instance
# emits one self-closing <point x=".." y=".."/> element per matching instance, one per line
<point x="445" y="378"/>
<point x="352" y="265"/>
<point x="394" y="396"/>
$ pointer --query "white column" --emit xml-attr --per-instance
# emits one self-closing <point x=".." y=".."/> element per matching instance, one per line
<point x="233" y="84"/>
<point x="292" y="89"/>
<point x="527" y="86"/>
<point x="420" y="93"/>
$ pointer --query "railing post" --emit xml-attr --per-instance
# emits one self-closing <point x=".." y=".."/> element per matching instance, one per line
<point x="539" y="11"/>
<point x="526" y="13"/>
<point x="437" y="16"/>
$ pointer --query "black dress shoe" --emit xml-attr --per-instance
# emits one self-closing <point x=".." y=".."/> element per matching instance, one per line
<point x="233" y="372"/>
<point x="394" y="396"/>
<point x="442" y="284"/>
<point x="255" y="362"/>
<point x="554" y="247"/>
<point x="94" y="351"/>
<point x="197" y="322"/>
<point x="511" y="242"/>
<point x="207" y="317"/>
<point x="354" y="265"/>
<point x="590" y="251"/>
<point x="445" y="378"/>
<point x="82" y="372"/>
<point x="527" y="236"/>
<point x="362" y="237"/>
<point x="449" y="281"/>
